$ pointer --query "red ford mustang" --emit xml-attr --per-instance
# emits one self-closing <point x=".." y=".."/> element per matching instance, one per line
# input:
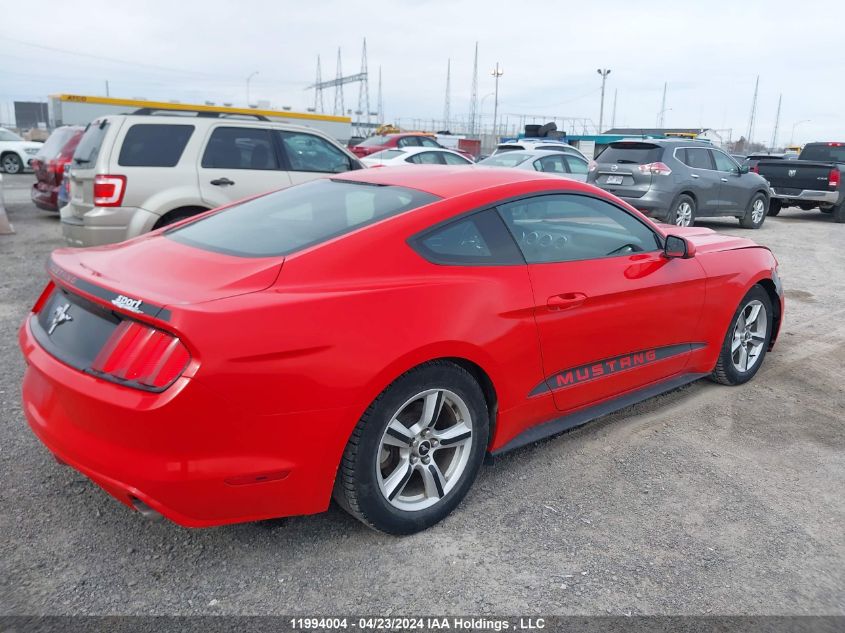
<point x="371" y="336"/>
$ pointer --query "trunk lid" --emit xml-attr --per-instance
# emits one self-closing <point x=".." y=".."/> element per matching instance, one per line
<point x="794" y="176"/>
<point x="90" y="158"/>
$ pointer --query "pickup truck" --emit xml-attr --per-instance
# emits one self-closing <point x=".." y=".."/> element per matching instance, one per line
<point x="813" y="181"/>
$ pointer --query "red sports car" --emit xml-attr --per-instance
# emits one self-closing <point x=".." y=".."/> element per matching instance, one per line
<point x="371" y="336"/>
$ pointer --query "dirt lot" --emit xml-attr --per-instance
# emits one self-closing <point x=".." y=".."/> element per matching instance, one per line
<point x="709" y="499"/>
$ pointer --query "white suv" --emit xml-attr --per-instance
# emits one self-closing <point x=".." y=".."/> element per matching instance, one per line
<point x="530" y="144"/>
<point x="16" y="153"/>
<point x="132" y="173"/>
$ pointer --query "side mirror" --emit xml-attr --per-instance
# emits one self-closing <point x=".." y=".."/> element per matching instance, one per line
<point x="678" y="248"/>
<point x="743" y="169"/>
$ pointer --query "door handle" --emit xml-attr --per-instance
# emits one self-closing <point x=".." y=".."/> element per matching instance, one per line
<point x="222" y="182"/>
<point x="724" y="180"/>
<point x="566" y="300"/>
<point x="694" y="176"/>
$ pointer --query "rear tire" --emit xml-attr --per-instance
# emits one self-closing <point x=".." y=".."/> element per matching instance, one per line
<point x="416" y="451"/>
<point x="747" y="339"/>
<point x="682" y="212"/>
<point x="755" y="215"/>
<point x="775" y="206"/>
<point x="839" y="213"/>
<point x="11" y="163"/>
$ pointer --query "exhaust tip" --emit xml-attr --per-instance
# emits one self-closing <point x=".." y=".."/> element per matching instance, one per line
<point x="145" y="510"/>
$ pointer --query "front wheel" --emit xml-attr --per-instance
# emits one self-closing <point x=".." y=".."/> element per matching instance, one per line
<point x="755" y="215"/>
<point x="747" y="340"/>
<point x="12" y="164"/>
<point x="683" y="212"/>
<point x="416" y="450"/>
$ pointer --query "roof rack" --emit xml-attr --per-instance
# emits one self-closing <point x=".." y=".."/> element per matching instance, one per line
<point x="213" y="114"/>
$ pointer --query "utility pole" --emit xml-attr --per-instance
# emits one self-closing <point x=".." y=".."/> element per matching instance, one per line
<point x="604" y="72"/>
<point x="496" y="74"/>
<point x="473" y="97"/>
<point x="748" y="137"/>
<point x="247" y="86"/>
<point x="613" y="116"/>
<point x="318" y="92"/>
<point x="380" y="102"/>
<point x="661" y="119"/>
<point x="107" y="87"/>
<point x="446" y="105"/>
<point x="777" y="124"/>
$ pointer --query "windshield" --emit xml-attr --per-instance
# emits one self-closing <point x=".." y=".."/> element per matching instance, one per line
<point x="373" y="141"/>
<point x="824" y="153"/>
<point x="506" y="159"/>
<point x="6" y="135"/>
<point x="297" y="217"/>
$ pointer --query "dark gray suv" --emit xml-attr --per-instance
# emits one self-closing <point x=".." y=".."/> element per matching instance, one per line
<point x="676" y="181"/>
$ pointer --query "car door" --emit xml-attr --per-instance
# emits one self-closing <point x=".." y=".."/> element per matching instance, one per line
<point x="704" y="180"/>
<point x="308" y="156"/>
<point x="552" y="165"/>
<point x="578" y="167"/>
<point x="238" y="162"/>
<point x="734" y="194"/>
<point x="613" y="313"/>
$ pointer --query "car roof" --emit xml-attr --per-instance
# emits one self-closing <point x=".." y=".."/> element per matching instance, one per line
<point x="201" y="120"/>
<point x="445" y="181"/>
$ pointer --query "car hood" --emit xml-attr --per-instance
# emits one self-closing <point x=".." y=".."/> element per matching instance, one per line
<point x="160" y="270"/>
<point x="707" y="240"/>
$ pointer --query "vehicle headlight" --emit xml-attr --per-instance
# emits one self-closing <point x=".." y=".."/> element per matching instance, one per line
<point x="32" y="151"/>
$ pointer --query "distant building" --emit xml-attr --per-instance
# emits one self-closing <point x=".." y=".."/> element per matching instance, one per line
<point x="706" y="134"/>
<point x="31" y="114"/>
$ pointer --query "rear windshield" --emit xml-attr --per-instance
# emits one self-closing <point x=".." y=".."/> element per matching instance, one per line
<point x="630" y="154"/>
<point x="508" y="148"/>
<point x="507" y="159"/>
<point x="387" y="154"/>
<point x="373" y="140"/>
<point x="824" y="153"/>
<point x="58" y="139"/>
<point x="89" y="146"/>
<point x="297" y="217"/>
<point x="154" y="145"/>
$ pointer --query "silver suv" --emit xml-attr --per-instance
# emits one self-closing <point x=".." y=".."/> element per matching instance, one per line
<point x="133" y="173"/>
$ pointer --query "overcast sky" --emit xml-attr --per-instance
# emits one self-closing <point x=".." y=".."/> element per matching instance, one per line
<point x="709" y="53"/>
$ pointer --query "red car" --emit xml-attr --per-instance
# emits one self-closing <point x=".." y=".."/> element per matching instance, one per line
<point x="375" y="144"/>
<point x="50" y="163"/>
<point x="371" y="336"/>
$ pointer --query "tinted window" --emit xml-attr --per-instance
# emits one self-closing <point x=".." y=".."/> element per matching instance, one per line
<point x="408" y="141"/>
<point x="696" y="157"/>
<point x="824" y="153"/>
<point x="723" y="163"/>
<point x="551" y="164"/>
<point x="307" y="152"/>
<point x="427" y="142"/>
<point x="154" y="145"/>
<point x="506" y="159"/>
<point x="426" y="158"/>
<point x="630" y="153"/>
<point x="240" y="148"/>
<point x="297" y="217"/>
<point x="455" y="159"/>
<point x="577" y="165"/>
<point x="479" y="239"/>
<point x="561" y="228"/>
<point x="508" y="148"/>
<point x="89" y="147"/>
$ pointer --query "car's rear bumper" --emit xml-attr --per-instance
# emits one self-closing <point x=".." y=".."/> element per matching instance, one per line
<point x="654" y="203"/>
<point x="187" y="453"/>
<point x="45" y="196"/>
<point x="806" y="195"/>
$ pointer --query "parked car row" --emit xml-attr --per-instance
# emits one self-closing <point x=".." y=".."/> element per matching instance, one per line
<point x="16" y="154"/>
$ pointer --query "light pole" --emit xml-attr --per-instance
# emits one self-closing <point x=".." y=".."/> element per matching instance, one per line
<point x="604" y="72"/>
<point x="247" y="86"/>
<point x="795" y="125"/>
<point x="496" y="74"/>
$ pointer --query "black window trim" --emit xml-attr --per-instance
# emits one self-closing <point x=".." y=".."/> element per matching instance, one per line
<point x="706" y="149"/>
<point x="412" y="241"/>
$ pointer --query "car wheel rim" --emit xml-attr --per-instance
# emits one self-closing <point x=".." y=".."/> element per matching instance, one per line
<point x="10" y="165"/>
<point x="749" y="336"/>
<point x="683" y="216"/>
<point x="758" y="210"/>
<point x="424" y="450"/>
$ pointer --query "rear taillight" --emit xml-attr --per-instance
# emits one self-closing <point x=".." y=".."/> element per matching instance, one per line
<point x="834" y="178"/>
<point x="142" y="356"/>
<point x="593" y="166"/>
<point x="109" y="190"/>
<point x="655" y="169"/>
<point x="45" y="294"/>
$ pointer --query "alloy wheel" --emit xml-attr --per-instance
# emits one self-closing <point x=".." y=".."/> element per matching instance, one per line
<point x="424" y="450"/>
<point x="11" y="164"/>
<point x="749" y="336"/>
<point x="758" y="211"/>
<point x="683" y="215"/>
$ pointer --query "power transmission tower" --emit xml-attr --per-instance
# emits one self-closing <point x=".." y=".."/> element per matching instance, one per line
<point x="446" y="104"/>
<point x="777" y="124"/>
<point x="319" y="106"/>
<point x="613" y="115"/>
<point x="497" y="72"/>
<point x="338" y="88"/>
<point x="662" y="117"/>
<point x="473" y="95"/>
<point x="363" y="111"/>
<point x="380" y="102"/>
<point x="753" y="112"/>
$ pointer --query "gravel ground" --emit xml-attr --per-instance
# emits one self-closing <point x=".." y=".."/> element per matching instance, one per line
<point x="705" y="500"/>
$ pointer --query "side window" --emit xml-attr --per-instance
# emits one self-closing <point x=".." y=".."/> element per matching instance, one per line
<point x="426" y="158"/>
<point x="240" y="148"/>
<point x="307" y="152"/>
<point x="723" y="163"/>
<point x="454" y="159"/>
<point x="698" y="158"/>
<point x="551" y="164"/>
<point x="408" y="141"/>
<point x="567" y="227"/>
<point x="154" y="145"/>
<point x="479" y="239"/>
<point x="577" y="165"/>
<point x="427" y="142"/>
